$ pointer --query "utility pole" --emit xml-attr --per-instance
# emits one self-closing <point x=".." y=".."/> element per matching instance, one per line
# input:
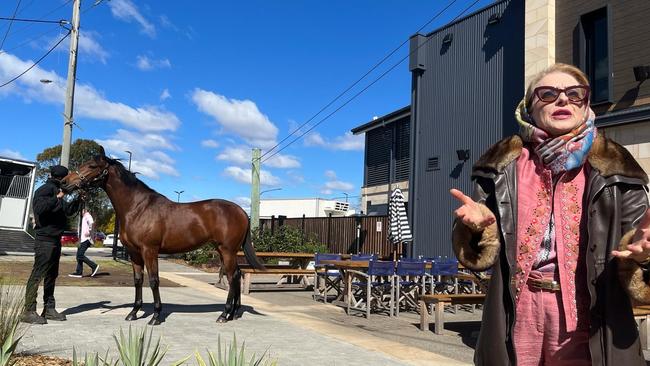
<point x="69" y="92"/>
<point x="255" y="190"/>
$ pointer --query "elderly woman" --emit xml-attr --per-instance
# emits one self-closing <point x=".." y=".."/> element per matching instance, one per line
<point x="552" y="209"/>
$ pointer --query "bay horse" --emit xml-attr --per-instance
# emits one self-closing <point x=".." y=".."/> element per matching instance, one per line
<point x="150" y="224"/>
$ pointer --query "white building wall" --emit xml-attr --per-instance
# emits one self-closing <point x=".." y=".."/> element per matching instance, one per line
<point x="310" y="207"/>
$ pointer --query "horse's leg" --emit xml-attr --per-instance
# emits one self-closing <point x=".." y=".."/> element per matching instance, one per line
<point x="151" y="262"/>
<point x="233" y="274"/>
<point x="138" y="265"/>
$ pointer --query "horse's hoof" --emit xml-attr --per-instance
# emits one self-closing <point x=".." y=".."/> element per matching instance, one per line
<point x="131" y="316"/>
<point x="154" y="321"/>
<point x="222" y="319"/>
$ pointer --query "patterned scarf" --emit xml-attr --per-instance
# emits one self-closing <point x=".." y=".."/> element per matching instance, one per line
<point x="562" y="153"/>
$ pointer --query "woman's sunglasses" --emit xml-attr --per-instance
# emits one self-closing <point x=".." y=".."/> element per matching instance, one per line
<point x="549" y="94"/>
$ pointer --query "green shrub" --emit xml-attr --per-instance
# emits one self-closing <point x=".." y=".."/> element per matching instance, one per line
<point x="231" y="356"/>
<point x="136" y="350"/>
<point x="12" y="299"/>
<point x="287" y="239"/>
<point x="204" y="255"/>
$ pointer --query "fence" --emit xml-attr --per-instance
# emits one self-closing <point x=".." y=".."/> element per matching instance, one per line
<point x="352" y="234"/>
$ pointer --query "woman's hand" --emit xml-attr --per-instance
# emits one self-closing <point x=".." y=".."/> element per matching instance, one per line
<point x="474" y="215"/>
<point x="639" y="249"/>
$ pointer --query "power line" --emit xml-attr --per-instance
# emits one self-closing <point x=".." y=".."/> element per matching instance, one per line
<point x="9" y="26"/>
<point x="62" y="21"/>
<point x="364" y="89"/>
<point x="29" y="25"/>
<point x="358" y="80"/>
<point x="29" y="40"/>
<point x="36" y="63"/>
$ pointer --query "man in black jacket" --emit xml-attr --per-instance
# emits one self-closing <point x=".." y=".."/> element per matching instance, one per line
<point x="51" y="209"/>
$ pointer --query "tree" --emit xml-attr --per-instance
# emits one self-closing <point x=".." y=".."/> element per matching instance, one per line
<point x="97" y="201"/>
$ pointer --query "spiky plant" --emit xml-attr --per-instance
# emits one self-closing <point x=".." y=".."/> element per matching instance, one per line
<point x="232" y="356"/>
<point x="12" y="299"/>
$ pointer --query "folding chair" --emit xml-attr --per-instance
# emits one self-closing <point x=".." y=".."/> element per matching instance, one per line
<point x="409" y="283"/>
<point x="373" y="290"/>
<point x="330" y="276"/>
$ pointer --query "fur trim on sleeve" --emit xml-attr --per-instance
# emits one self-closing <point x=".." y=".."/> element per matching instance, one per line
<point x="476" y="251"/>
<point x="631" y="275"/>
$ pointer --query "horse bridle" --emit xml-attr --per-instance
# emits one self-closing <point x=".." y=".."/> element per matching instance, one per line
<point x="84" y="182"/>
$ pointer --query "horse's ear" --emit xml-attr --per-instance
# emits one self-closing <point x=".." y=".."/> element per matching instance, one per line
<point x="101" y="151"/>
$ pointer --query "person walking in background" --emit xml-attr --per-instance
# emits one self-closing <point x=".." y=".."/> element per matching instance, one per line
<point x="560" y="213"/>
<point x="86" y="241"/>
<point x="51" y="208"/>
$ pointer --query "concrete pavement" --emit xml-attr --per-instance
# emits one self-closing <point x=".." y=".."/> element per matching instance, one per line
<point x="293" y="329"/>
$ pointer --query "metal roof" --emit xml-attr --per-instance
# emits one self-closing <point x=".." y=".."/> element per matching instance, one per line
<point x="383" y="120"/>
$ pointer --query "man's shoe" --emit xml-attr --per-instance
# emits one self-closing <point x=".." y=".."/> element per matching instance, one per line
<point x="95" y="271"/>
<point x="52" y="314"/>
<point x="32" y="317"/>
<point x="75" y="275"/>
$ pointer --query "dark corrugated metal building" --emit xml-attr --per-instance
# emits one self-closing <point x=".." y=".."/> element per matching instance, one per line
<point x="467" y="80"/>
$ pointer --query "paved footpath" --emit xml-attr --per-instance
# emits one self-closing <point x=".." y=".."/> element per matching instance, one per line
<point x="292" y="328"/>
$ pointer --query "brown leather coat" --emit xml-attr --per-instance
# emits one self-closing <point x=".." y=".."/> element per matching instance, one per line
<point x="615" y="199"/>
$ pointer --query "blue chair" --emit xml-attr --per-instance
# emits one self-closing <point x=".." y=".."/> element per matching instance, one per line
<point x="330" y="276"/>
<point x="373" y="290"/>
<point x="363" y="257"/>
<point x="410" y="277"/>
<point x="444" y="272"/>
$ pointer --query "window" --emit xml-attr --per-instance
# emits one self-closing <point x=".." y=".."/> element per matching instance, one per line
<point x="596" y="53"/>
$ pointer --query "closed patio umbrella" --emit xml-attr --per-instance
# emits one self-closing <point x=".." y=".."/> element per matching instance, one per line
<point x="399" y="230"/>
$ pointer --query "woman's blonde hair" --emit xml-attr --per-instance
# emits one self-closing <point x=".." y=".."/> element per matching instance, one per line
<point x="559" y="67"/>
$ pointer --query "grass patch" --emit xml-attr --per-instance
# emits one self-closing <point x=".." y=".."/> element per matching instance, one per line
<point x="111" y="273"/>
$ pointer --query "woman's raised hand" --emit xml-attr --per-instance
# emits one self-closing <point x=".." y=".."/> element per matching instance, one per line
<point x="474" y="215"/>
<point x="639" y="248"/>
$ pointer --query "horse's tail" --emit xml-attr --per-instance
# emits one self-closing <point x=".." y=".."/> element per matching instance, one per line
<point x="249" y="250"/>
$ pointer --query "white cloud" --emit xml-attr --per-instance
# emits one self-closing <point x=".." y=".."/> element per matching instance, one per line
<point x="165" y="94"/>
<point x="242" y="155"/>
<point x="127" y="11"/>
<point x="13" y="154"/>
<point x="89" y="47"/>
<point x="212" y="144"/>
<point x="334" y="185"/>
<point x="89" y="102"/>
<point x="236" y="155"/>
<point x="240" y="117"/>
<point x="144" y="63"/>
<point x="347" y="142"/>
<point x="283" y="161"/>
<point x="244" y="176"/>
<point x="243" y="202"/>
<point x="167" y="23"/>
<point x="147" y="157"/>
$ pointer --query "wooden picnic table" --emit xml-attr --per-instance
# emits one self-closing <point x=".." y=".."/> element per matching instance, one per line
<point x="292" y="275"/>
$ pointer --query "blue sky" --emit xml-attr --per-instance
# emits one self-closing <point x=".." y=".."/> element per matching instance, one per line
<point x="190" y="87"/>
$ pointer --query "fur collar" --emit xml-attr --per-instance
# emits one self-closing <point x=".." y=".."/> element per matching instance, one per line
<point x="606" y="156"/>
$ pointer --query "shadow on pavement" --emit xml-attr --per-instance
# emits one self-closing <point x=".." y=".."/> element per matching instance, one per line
<point x="168" y="309"/>
<point x="467" y="330"/>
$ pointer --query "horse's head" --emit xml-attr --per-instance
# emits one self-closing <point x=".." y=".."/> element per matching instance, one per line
<point x="92" y="173"/>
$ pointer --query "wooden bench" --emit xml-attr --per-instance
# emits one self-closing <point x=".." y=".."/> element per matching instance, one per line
<point x="642" y="318"/>
<point x="439" y="301"/>
<point x="249" y="272"/>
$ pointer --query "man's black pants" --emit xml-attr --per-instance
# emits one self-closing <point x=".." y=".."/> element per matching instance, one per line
<point x="46" y="268"/>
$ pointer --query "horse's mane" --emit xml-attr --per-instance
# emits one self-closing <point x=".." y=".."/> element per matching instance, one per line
<point x="126" y="176"/>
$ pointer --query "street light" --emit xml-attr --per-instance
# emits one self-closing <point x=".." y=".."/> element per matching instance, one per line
<point x="346" y="196"/>
<point x="179" y="195"/>
<point x="128" y="152"/>
<point x="270" y="190"/>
